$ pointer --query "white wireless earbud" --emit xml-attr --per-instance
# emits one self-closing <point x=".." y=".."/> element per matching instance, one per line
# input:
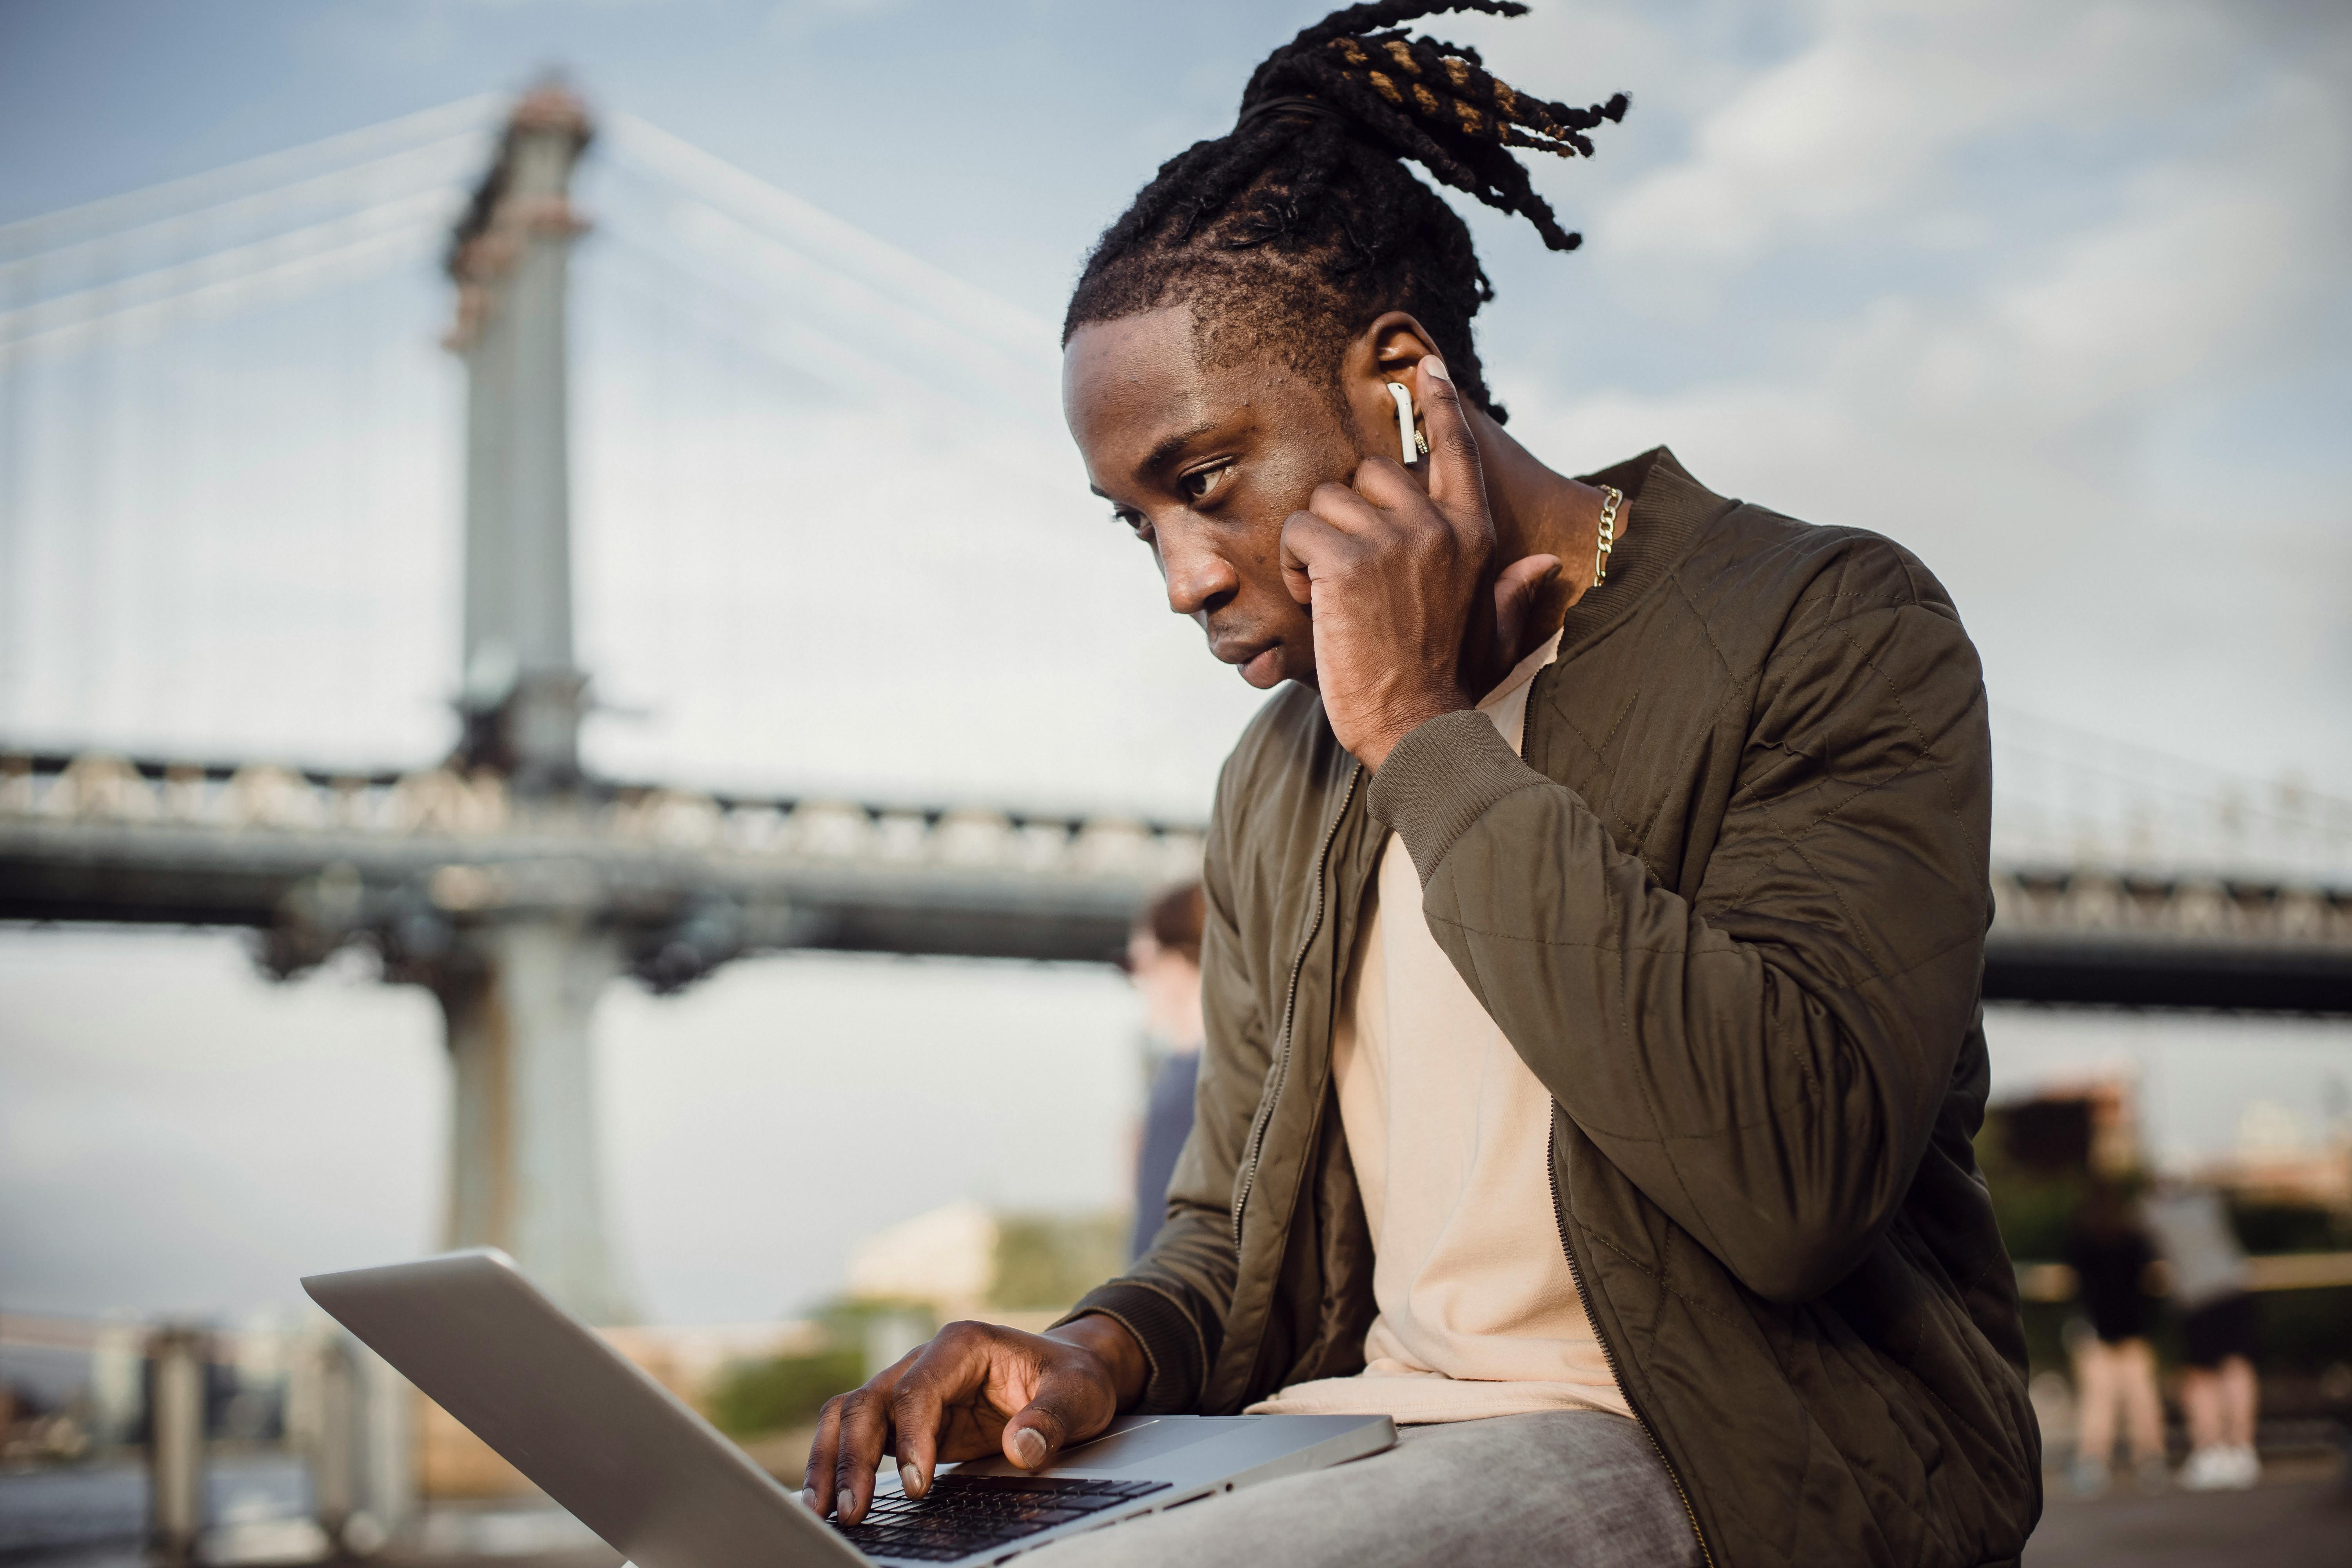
<point x="1405" y="442"/>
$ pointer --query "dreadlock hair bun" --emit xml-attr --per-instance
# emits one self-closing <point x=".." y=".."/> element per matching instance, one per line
<point x="1297" y="227"/>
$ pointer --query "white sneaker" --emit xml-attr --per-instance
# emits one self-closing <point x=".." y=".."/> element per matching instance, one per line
<point x="2245" y="1467"/>
<point x="2209" y="1470"/>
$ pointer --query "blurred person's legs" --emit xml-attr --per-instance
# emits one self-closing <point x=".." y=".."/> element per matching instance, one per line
<point x="1566" y="1488"/>
<point x="2098" y="1388"/>
<point x="2200" y="1402"/>
<point x="2218" y="1391"/>
<point x="2116" y="1383"/>
<point x="2142" y="1407"/>
<point x="2241" y="1399"/>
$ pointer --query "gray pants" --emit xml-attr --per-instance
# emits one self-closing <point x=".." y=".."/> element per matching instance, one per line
<point x="1568" y="1489"/>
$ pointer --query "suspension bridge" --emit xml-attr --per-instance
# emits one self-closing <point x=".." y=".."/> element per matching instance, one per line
<point x="225" y="451"/>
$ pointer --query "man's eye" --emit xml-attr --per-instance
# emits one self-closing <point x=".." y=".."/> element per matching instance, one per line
<point x="1199" y="482"/>
<point x="1133" y="521"/>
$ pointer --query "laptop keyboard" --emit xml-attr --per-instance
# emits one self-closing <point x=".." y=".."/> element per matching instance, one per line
<point x="963" y="1514"/>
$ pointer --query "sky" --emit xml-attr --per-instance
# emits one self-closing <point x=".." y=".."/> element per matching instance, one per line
<point x="2055" y="293"/>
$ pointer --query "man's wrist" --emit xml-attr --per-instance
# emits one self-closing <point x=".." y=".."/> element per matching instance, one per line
<point x="1108" y="1341"/>
<point x="1375" y="747"/>
<point x="1441" y="779"/>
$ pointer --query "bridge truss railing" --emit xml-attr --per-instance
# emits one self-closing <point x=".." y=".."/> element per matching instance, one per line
<point x="400" y="858"/>
<point x="444" y="803"/>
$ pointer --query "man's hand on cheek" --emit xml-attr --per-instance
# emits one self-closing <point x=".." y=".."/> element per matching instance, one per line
<point x="1398" y="581"/>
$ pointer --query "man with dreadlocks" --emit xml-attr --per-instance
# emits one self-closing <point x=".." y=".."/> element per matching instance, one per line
<point x="1594" y="928"/>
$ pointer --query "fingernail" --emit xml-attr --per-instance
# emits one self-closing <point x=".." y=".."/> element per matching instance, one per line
<point x="1028" y="1447"/>
<point x="910" y="1478"/>
<point x="1435" y="366"/>
<point x="808" y="1496"/>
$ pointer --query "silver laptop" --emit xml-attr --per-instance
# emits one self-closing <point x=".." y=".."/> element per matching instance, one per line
<point x="665" y="1489"/>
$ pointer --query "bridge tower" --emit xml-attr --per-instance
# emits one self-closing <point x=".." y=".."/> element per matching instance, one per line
<point x="518" y="987"/>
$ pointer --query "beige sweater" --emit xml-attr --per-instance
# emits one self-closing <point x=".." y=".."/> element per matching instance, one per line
<point x="1478" y="1313"/>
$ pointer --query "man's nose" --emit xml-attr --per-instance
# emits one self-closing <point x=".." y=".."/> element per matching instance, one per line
<point x="1200" y="579"/>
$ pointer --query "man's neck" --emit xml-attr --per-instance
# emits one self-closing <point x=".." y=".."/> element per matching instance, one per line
<point x="1539" y="512"/>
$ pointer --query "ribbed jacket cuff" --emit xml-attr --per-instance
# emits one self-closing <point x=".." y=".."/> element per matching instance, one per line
<point x="1442" y="778"/>
<point x="1171" y="1343"/>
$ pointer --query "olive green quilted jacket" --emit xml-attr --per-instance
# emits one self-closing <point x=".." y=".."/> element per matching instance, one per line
<point x="1730" y="910"/>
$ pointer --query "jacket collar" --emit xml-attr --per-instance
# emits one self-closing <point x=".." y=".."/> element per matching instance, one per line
<point x="1665" y="511"/>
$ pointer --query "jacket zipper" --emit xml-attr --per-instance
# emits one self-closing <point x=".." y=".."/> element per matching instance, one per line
<point x="1264" y="1117"/>
<point x="1608" y="1353"/>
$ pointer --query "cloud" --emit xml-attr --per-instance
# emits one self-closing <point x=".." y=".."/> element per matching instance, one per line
<point x="1870" y="121"/>
<point x="2004" y="281"/>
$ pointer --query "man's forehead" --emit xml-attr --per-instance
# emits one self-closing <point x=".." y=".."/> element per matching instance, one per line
<point x="1132" y="362"/>
<point x="1133" y="389"/>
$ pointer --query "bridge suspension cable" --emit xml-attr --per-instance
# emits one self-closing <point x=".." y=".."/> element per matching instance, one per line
<point x="347" y="248"/>
<point x="874" y="266"/>
<point x="815" y="293"/>
<point x="271" y="173"/>
<point x="443" y="163"/>
<point x="2064" y="795"/>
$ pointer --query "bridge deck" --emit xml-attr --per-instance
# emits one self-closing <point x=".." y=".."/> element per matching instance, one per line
<point x="400" y="859"/>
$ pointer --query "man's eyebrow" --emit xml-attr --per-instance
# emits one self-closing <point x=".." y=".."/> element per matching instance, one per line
<point x="1166" y="451"/>
<point x="1163" y="454"/>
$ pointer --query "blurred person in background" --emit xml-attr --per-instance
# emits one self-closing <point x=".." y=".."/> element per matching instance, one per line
<point x="2115" y="1366"/>
<point x="1163" y="959"/>
<point x="2208" y="1275"/>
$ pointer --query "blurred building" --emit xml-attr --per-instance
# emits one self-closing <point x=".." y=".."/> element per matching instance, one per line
<point x="2280" y="1158"/>
<point x="2074" y="1125"/>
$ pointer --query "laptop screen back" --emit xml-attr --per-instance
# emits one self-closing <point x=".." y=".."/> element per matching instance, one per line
<point x="632" y="1463"/>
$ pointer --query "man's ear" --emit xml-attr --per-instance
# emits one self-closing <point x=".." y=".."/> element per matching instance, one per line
<point x="1384" y="352"/>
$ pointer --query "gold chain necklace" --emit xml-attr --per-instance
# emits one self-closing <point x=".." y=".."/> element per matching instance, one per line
<point x="1612" y="498"/>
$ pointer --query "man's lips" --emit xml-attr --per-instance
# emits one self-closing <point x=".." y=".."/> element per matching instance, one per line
<point x="1232" y="650"/>
<point x="1259" y="662"/>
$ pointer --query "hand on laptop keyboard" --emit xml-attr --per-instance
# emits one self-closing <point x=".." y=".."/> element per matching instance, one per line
<point x="974" y="1392"/>
<point x="963" y="1514"/>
